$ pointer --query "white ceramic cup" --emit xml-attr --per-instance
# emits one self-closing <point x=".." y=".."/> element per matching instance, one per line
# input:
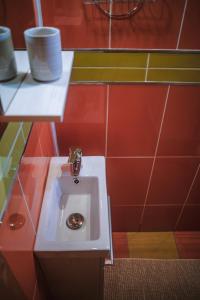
<point x="44" y="52"/>
<point x="8" y="68"/>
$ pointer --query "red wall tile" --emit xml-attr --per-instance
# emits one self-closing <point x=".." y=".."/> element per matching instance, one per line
<point x="194" y="197"/>
<point x="17" y="245"/>
<point x="23" y="238"/>
<point x="189" y="37"/>
<point x="181" y="129"/>
<point x="188" y="244"/>
<point x="84" y="121"/>
<point x="190" y="219"/>
<point x="127" y="180"/>
<point x="40" y="142"/>
<point x="82" y="26"/>
<point x="171" y="180"/>
<point x="23" y="267"/>
<point x="126" y="218"/>
<point x="46" y="139"/>
<point x="33" y="147"/>
<point x="18" y="16"/>
<point x="33" y="174"/>
<point x="134" y="119"/>
<point x="26" y="199"/>
<point x="9" y="286"/>
<point x="155" y="26"/>
<point x="160" y="218"/>
<point x="120" y="244"/>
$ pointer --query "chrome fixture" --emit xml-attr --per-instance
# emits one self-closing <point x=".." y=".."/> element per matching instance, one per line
<point x="75" y="221"/>
<point x="74" y="161"/>
<point x="76" y="180"/>
<point x="125" y="9"/>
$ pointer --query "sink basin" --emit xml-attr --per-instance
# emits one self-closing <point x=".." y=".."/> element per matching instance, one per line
<point x="74" y="214"/>
<point x="82" y="198"/>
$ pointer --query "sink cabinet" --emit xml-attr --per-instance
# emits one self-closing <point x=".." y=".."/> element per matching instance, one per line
<point x="69" y="276"/>
<point x="72" y="261"/>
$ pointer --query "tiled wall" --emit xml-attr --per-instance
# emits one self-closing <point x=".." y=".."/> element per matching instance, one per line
<point x="12" y="145"/>
<point x="7" y="279"/>
<point x="25" y="198"/>
<point x="136" y="67"/>
<point x="160" y="24"/>
<point x="150" y="136"/>
<point x="18" y="16"/>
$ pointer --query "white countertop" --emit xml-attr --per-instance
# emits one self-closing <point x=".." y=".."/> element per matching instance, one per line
<point x="38" y="101"/>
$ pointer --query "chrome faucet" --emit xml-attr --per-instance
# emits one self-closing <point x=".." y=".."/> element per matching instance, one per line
<point x="74" y="160"/>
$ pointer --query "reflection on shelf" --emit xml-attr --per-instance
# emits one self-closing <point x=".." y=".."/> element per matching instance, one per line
<point x="9" y="88"/>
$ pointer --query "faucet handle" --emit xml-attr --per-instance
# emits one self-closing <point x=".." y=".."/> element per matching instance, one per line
<point x="74" y="155"/>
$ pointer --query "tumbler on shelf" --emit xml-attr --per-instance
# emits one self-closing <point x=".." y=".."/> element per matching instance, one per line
<point x="8" y="68"/>
<point x="44" y="52"/>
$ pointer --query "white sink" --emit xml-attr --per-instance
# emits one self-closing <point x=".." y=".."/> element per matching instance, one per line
<point x="64" y="197"/>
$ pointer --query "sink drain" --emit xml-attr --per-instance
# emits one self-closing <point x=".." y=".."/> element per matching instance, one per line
<point x="75" y="221"/>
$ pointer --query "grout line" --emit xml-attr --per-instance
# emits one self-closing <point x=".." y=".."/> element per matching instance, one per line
<point x="128" y="82"/>
<point x="147" y="67"/>
<point x="170" y="82"/>
<point x="128" y="157"/>
<point x="188" y="195"/>
<point x="54" y="137"/>
<point x="181" y="26"/>
<point x="137" y="50"/>
<point x="40" y="145"/>
<point x="35" y="289"/>
<point x="137" y="68"/>
<point x="26" y="204"/>
<point x="178" y="156"/>
<point x="109" y="68"/>
<point x="110" y="28"/>
<point x="158" y="156"/>
<point x="175" y="68"/>
<point x="23" y="136"/>
<point x="150" y="205"/>
<point x="156" y="150"/>
<point x="107" y="109"/>
<point x="178" y="251"/>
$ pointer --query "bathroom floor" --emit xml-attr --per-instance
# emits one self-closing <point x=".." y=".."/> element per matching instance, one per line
<point x="161" y="245"/>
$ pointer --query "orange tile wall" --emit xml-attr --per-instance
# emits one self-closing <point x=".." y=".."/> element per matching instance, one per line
<point x="160" y="24"/>
<point x="150" y="135"/>
<point x="25" y="200"/>
<point x="18" y="16"/>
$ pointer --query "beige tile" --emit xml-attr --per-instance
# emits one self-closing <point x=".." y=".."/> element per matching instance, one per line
<point x="26" y="129"/>
<point x="172" y="60"/>
<point x="8" y="138"/>
<point x="108" y="75"/>
<point x="185" y="76"/>
<point x="152" y="245"/>
<point x="101" y="59"/>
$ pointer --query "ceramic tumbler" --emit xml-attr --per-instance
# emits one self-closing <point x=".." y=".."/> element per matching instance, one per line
<point x="44" y="52"/>
<point x="8" y="68"/>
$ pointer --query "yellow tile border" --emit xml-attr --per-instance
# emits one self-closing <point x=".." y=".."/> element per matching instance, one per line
<point x="161" y="64"/>
<point x="173" y="60"/>
<point x="157" y="245"/>
<point x="102" y="75"/>
<point x="109" y="59"/>
<point x="182" y="76"/>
